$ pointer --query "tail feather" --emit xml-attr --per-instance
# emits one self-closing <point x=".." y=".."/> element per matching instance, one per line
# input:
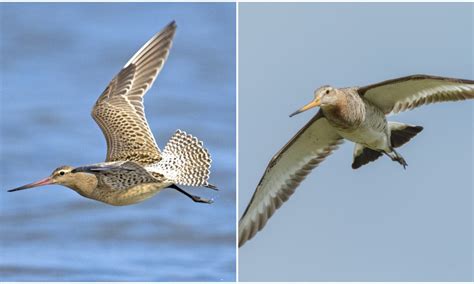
<point x="185" y="161"/>
<point x="401" y="133"/>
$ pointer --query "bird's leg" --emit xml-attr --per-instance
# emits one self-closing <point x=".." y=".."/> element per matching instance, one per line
<point x="195" y="198"/>
<point x="395" y="156"/>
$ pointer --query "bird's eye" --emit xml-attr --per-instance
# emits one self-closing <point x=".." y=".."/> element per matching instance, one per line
<point x="61" y="173"/>
<point x="327" y="92"/>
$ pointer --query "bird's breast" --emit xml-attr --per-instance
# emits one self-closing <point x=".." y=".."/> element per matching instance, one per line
<point x="344" y="117"/>
<point x="371" y="131"/>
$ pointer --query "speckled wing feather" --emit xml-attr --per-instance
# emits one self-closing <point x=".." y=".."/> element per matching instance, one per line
<point x="309" y="147"/>
<point x="409" y="92"/>
<point x="118" y="175"/>
<point x="119" y="111"/>
<point x="185" y="161"/>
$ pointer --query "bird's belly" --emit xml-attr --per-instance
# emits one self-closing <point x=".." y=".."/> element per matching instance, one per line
<point x="368" y="136"/>
<point x="132" y="195"/>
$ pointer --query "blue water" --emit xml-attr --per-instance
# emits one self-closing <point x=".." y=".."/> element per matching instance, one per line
<point x="55" y="61"/>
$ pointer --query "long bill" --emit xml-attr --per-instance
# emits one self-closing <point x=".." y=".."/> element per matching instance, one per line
<point x="313" y="103"/>
<point x="42" y="182"/>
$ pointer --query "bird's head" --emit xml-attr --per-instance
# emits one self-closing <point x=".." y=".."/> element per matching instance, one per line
<point x="323" y="96"/>
<point x="62" y="175"/>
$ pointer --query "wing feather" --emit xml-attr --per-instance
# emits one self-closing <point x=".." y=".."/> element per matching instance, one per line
<point x="409" y="92"/>
<point x="309" y="147"/>
<point x="120" y="112"/>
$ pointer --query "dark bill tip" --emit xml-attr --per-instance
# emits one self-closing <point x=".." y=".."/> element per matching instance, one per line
<point x="42" y="182"/>
<point x="295" y="113"/>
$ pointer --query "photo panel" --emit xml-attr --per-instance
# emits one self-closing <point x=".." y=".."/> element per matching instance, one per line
<point x="62" y="61"/>
<point x="379" y="222"/>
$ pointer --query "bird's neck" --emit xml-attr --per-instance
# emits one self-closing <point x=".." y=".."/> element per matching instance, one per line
<point x="83" y="183"/>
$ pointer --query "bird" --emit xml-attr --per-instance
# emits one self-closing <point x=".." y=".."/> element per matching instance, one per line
<point x="357" y="114"/>
<point x="135" y="169"/>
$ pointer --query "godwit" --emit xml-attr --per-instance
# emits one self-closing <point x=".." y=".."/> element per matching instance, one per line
<point x="135" y="168"/>
<point x="355" y="114"/>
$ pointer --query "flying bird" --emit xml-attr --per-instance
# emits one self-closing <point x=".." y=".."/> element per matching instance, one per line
<point x="357" y="114"/>
<point x="135" y="168"/>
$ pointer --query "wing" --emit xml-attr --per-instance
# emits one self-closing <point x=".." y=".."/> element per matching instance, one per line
<point x="406" y="93"/>
<point x="310" y="146"/>
<point x="119" y="111"/>
<point x="118" y="175"/>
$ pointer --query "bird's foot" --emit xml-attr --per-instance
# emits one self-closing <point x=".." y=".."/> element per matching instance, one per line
<point x="194" y="198"/>
<point x="201" y="199"/>
<point x="395" y="156"/>
<point x="402" y="162"/>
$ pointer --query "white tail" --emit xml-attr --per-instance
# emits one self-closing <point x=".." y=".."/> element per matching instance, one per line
<point x="185" y="161"/>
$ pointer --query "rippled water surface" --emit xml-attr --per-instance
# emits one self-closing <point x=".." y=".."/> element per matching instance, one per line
<point x="55" y="61"/>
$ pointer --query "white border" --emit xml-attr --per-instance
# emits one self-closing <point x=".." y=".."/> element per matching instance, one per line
<point x="239" y="1"/>
<point x="241" y="282"/>
<point x="236" y="112"/>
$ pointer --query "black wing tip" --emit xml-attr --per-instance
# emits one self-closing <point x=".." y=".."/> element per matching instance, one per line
<point x="358" y="162"/>
<point x="367" y="156"/>
<point x="402" y="136"/>
<point x="172" y="24"/>
<point x="355" y="165"/>
<point x="418" y="128"/>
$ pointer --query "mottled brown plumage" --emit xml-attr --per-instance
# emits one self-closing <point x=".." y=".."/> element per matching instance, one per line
<point x="135" y="169"/>
<point x="119" y="111"/>
<point x="355" y="114"/>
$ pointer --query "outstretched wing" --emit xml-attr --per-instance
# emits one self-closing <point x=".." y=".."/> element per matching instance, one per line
<point x="310" y="146"/>
<point x="119" y="111"/>
<point x="406" y="93"/>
